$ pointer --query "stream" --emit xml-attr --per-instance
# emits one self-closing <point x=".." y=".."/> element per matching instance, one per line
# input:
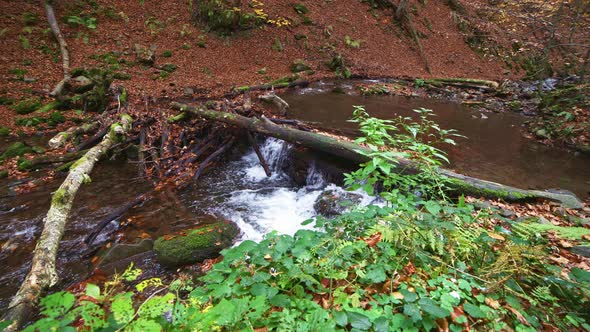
<point x="239" y="190"/>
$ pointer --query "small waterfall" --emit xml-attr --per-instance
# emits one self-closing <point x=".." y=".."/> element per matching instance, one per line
<point x="315" y="179"/>
<point x="275" y="152"/>
<point x="259" y="204"/>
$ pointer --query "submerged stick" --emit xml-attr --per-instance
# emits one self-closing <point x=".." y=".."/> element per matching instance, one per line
<point x="43" y="272"/>
<point x="117" y="213"/>
<point x="455" y="182"/>
<point x="256" y="148"/>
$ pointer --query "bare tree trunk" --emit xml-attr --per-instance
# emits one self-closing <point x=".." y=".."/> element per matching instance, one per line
<point x="43" y="273"/>
<point x="455" y="182"/>
<point x="63" y="47"/>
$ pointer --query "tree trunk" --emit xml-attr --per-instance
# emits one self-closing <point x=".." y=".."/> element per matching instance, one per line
<point x="455" y="182"/>
<point x="43" y="273"/>
<point x="63" y="47"/>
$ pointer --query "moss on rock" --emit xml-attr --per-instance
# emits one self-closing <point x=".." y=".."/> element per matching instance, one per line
<point x="197" y="245"/>
<point x="17" y="149"/>
<point x="4" y="131"/>
<point x="27" y="106"/>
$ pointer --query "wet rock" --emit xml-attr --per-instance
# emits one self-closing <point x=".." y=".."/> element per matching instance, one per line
<point x="195" y="246"/>
<point x="121" y="251"/>
<point x="188" y="91"/>
<point x="506" y="213"/>
<point x="581" y="250"/>
<point x="332" y="203"/>
<point x="145" y="55"/>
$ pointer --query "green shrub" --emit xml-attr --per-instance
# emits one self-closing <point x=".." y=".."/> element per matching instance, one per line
<point x="224" y="17"/>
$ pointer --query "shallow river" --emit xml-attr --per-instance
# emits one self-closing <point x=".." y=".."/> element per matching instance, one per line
<point x="239" y="190"/>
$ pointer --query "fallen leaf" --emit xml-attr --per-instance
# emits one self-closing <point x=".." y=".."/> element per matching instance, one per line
<point x="518" y="315"/>
<point x="492" y="303"/>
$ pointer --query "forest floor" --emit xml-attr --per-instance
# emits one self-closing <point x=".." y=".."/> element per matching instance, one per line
<point x="208" y="65"/>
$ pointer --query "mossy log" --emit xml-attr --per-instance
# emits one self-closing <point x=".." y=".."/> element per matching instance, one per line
<point x="464" y="82"/>
<point x="61" y="138"/>
<point x="455" y="182"/>
<point x="43" y="273"/>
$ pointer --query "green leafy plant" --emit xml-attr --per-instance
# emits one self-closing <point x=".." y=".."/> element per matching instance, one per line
<point x="88" y="22"/>
<point x="401" y="138"/>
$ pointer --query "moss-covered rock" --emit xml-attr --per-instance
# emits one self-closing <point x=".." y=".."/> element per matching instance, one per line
<point x="27" y="106"/>
<point x="3" y="173"/>
<point x="17" y="149"/>
<point x="197" y="245"/>
<point x="332" y="203"/>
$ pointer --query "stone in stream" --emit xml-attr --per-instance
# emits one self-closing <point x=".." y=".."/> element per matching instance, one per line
<point x="332" y="203"/>
<point x="196" y="245"/>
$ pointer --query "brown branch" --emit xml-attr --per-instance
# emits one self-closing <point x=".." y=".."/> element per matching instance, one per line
<point x="63" y="47"/>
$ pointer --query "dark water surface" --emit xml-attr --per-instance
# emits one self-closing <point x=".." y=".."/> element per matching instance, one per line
<point x="494" y="150"/>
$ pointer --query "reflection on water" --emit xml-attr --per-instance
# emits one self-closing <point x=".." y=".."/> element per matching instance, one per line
<point x="494" y="150"/>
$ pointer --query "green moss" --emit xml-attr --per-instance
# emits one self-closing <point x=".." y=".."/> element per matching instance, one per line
<point x="59" y="197"/>
<point x="27" y="106"/>
<point x="4" y="131"/>
<point x="197" y="245"/>
<point x="65" y="167"/>
<point x="49" y="106"/>
<point x="38" y="149"/>
<point x="24" y="164"/>
<point x="167" y="54"/>
<point x="464" y="188"/>
<point x="122" y="76"/>
<point x="6" y="100"/>
<point x="179" y="117"/>
<point x="17" y="149"/>
<point x="3" y="173"/>
<point x="78" y="162"/>
<point x="170" y="68"/>
<point x="299" y="65"/>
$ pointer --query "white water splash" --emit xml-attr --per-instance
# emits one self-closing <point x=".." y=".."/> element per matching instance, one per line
<point x="264" y="204"/>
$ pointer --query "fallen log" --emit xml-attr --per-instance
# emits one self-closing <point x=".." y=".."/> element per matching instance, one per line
<point x="43" y="273"/>
<point x="464" y="83"/>
<point x="61" y="138"/>
<point x="92" y="140"/>
<point x="457" y="183"/>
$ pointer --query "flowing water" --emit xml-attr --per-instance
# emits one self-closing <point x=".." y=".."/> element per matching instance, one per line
<point x="239" y="190"/>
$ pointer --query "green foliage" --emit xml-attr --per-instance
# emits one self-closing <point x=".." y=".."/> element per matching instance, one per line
<point x="167" y="54"/>
<point x="352" y="43"/>
<point x="4" y="131"/>
<point x="88" y="22"/>
<point x="414" y="264"/>
<point x="338" y="66"/>
<point x="400" y="138"/>
<point x="224" y="17"/>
